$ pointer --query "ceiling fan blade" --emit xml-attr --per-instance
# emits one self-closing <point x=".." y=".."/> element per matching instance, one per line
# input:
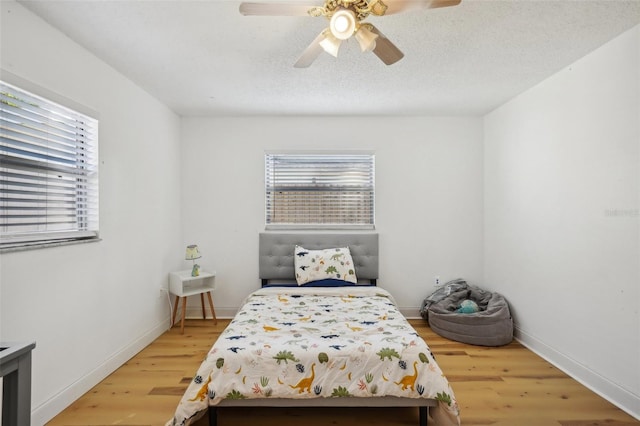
<point x="398" y="6"/>
<point x="385" y="50"/>
<point x="275" y="9"/>
<point x="443" y="3"/>
<point x="311" y="52"/>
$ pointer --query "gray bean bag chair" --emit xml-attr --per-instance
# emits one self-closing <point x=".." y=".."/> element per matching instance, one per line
<point x="492" y="325"/>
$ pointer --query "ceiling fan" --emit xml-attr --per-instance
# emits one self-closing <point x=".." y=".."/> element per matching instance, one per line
<point x="346" y="20"/>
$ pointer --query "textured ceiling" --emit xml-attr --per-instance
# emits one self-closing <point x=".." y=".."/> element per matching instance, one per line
<point x="204" y="58"/>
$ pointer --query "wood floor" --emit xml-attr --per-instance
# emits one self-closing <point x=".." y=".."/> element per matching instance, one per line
<point x="508" y="386"/>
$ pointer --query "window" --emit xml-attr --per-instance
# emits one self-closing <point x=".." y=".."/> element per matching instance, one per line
<point x="48" y="171"/>
<point x="320" y="190"/>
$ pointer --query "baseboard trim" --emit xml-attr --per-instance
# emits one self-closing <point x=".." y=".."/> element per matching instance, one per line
<point x="620" y="397"/>
<point x="57" y="403"/>
<point x="410" y="313"/>
<point x="195" y="312"/>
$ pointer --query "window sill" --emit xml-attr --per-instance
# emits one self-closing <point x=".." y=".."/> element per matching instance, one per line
<point x="298" y="227"/>
<point x="38" y="246"/>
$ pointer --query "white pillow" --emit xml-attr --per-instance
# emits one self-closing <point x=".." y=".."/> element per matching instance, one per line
<point x="314" y="265"/>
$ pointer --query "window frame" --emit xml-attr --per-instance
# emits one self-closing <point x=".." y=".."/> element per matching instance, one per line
<point x="368" y="201"/>
<point x="79" y="178"/>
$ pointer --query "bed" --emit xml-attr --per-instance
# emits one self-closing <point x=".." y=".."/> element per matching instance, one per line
<point x="334" y="342"/>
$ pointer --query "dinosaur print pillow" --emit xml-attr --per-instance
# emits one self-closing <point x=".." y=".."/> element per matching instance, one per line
<point x="314" y="265"/>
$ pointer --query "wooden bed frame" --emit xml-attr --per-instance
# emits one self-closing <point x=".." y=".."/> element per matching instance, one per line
<point x="277" y="265"/>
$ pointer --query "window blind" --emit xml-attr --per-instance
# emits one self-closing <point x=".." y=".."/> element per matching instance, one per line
<point x="48" y="171"/>
<point x="320" y="189"/>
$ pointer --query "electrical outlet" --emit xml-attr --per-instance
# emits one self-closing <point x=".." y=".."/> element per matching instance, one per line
<point x="162" y="291"/>
<point x="436" y="280"/>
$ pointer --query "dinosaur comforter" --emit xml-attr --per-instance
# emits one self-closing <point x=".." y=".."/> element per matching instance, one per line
<point x="302" y="342"/>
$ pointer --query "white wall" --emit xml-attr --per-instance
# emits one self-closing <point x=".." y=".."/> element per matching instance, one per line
<point x="562" y="176"/>
<point x="428" y="195"/>
<point x="90" y="307"/>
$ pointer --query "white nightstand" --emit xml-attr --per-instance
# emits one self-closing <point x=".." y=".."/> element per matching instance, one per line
<point x="182" y="284"/>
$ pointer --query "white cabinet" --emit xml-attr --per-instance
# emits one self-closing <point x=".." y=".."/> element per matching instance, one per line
<point x="183" y="285"/>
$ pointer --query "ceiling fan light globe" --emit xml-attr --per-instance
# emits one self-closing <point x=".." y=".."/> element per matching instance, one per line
<point x="330" y="44"/>
<point x="366" y="39"/>
<point x="343" y="24"/>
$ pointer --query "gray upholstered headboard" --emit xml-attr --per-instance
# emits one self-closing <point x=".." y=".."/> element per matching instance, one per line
<point x="276" y="252"/>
